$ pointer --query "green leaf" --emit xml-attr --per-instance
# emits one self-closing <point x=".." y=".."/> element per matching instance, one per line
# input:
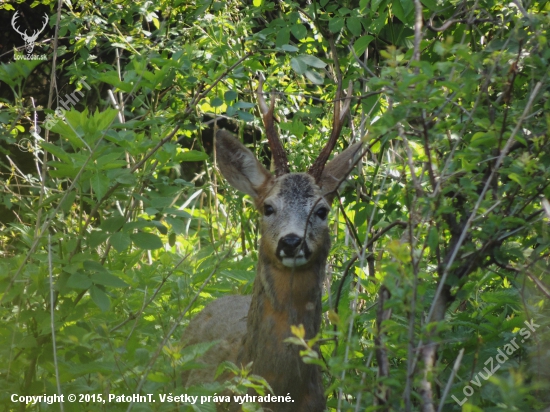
<point x="96" y="238"/>
<point x="56" y="151"/>
<point x="378" y="24"/>
<point x="68" y="202"/>
<point x="111" y="77"/>
<point x="192" y="156"/>
<point x="314" y="77"/>
<point x="160" y="377"/>
<point x="311" y="61"/>
<point x="289" y="48"/>
<point x="283" y="37"/>
<point x="100" y="184"/>
<point x="93" y="266"/>
<point x="297" y="128"/>
<point x="247" y="117"/>
<point x="140" y="223"/>
<point x="125" y="177"/>
<point x="106" y="279"/>
<point x="257" y="3"/>
<point x="68" y="132"/>
<point x="298" y="65"/>
<point x="112" y="224"/>
<point x="216" y="102"/>
<point x="160" y="226"/>
<point x="377" y="5"/>
<point x="230" y="95"/>
<point x="102" y="120"/>
<point x="120" y="241"/>
<point x="178" y="226"/>
<point x="433" y="239"/>
<point x="100" y="298"/>
<point x="518" y="179"/>
<point x="354" y="26"/>
<point x="403" y="10"/>
<point x="147" y="241"/>
<point x="361" y="44"/>
<point x="336" y="24"/>
<point x="483" y="139"/>
<point x="79" y="280"/>
<point x="299" y="31"/>
<point x="430" y="4"/>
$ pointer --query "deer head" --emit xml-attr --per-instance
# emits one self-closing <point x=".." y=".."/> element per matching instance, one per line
<point x="29" y="40"/>
<point x="294" y="205"/>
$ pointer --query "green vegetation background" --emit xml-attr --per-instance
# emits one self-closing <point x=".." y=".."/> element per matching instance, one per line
<point x="116" y="227"/>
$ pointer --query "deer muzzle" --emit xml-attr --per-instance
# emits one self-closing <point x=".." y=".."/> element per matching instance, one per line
<point x="292" y="250"/>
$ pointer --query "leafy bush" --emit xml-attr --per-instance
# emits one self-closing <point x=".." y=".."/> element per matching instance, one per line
<point x="116" y="227"/>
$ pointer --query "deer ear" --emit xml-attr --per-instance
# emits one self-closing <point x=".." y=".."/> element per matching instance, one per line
<point x="239" y="166"/>
<point x="337" y="169"/>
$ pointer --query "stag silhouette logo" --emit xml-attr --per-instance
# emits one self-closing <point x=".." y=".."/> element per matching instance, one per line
<point x="29" y="40"/>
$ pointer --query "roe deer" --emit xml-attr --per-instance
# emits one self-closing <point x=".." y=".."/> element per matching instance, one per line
<point x="293" y="251"/>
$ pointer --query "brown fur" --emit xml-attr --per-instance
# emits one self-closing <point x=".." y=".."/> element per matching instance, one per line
<point x="285" y="293"/>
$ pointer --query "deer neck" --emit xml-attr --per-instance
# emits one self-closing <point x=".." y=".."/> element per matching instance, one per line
<point x="284" y="297"/>
<point x="294" y="292"/>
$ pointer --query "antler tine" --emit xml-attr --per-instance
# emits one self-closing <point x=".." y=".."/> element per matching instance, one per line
<point x="46" y="20"/>
<point x="14" y="22"/>
<point x="279" y="154"/>
<point x="341" y="109"/>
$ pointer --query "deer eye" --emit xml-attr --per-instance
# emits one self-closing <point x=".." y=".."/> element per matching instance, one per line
<point x="268" y="210"/>
<point x="322" y="213"/>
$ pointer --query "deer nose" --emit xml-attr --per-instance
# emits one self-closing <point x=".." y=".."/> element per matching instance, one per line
<point x="289" y="244"/>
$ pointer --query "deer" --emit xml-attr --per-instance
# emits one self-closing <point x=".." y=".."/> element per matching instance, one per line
<point x="29" y="40"/>
<point x="293" y="252"/>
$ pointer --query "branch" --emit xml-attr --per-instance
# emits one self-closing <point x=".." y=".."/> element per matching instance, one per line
<point x="356" y="256"/>
<point x="176" y="323"/>
<point x="48" y="221"/>
<point x="417" y="31"/>
<point x="52" y="321"/>
<point x="472" y="216"/>
<point x="450" y="381"/>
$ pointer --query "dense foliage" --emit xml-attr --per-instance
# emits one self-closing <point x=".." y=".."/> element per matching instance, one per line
<point x="116" y="227"/>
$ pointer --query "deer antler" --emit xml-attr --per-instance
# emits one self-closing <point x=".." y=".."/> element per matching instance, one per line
<point x="13" y="23"/>
<point x="37" y="32"/>
<point x="341" y="109"/>
<point x="279" y="154"/>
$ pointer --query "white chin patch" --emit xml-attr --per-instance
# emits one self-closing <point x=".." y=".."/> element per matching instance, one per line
<point x="294" y="262"/>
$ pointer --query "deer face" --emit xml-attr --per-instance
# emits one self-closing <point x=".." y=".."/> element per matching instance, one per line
<point x="29" y="43"/>
<point x="294" y="220"/>
<point x="294" y="206"/>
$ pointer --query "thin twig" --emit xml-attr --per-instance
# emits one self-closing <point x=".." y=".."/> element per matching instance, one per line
<point x="53" y="85"/>
<point x="356" y="256"/>
<point x="145" y="304"/>
<point x="521" y="9"/>
<point x="450" y="381"/>
<point x="52" y="320"/>
<point x="176" y="323"/>
<point x="48" y="221"/>
<point x="472" y="216"/>
<point x="417" y="32"/>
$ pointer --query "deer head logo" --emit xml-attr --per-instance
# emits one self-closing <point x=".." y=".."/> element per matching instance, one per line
<point x="29" y="40"/>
